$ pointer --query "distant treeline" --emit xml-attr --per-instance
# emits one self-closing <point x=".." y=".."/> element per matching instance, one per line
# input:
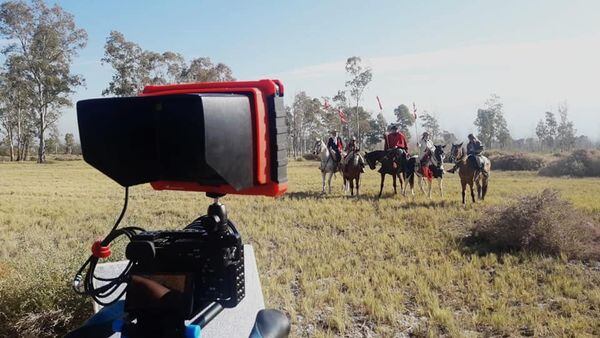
<point x="36" y="81"/>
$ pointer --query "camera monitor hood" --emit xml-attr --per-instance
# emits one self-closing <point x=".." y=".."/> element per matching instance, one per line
<point x="215" y="137"/>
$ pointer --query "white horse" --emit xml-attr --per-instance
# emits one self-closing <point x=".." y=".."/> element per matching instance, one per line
<point x="328" y="164"/>
<point x="435" y="164"/>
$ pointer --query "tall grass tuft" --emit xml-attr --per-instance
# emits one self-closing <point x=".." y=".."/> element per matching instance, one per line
<point x="542" y="223"/>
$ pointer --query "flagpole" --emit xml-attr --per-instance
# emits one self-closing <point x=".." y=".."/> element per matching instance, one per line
<point x="416" y="129"/>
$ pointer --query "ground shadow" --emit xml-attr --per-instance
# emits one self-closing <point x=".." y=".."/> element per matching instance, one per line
<point x="471" y="245"/>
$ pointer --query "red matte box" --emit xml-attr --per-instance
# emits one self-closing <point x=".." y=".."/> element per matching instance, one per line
<point x="259" y="93"/>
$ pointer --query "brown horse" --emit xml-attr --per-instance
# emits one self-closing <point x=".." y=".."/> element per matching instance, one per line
<point x="393" y="163"/>
<point x="469" y="174"/>
<point x="351" y="172"/>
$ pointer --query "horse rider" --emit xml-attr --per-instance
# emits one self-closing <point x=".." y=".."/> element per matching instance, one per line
<point x="427" y="148"/>
<point x="395" y="140"/>
<point x="353" y="147"/>
<point x="474" y="156"/>
<point x="335" y="146"/>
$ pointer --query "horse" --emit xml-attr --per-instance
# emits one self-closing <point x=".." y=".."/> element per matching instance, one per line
<point x="469" y="174"/>
<point x="392" y="163"/>
<point x="351" y="172"/>
<point x="328" y="164"/>
<point x="433" y="169"/>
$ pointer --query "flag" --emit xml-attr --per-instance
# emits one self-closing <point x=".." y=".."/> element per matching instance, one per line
<point x="414" y="111"/>
<point x="342" y="116"/>
<point x="326" y="104"/>
<point x="379" y="102"/>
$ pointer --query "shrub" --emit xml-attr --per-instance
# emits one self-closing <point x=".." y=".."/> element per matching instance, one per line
<point x="580" y="163"/>
<point x="311" y="157"/>
<point x="542" y="223"/>
<point x="517" y="161"/>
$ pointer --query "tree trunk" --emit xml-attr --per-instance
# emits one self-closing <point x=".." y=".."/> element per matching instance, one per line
<point x="10" y="144"/>
<point x="25" y="150"/>
<point x="42" y="148"/>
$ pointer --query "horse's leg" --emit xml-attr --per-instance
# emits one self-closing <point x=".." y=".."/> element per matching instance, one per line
<point x="323" y="175"/>
<point x="421" y="185"/>
<point x="463" y="185"/>
<point x="472" y="192"/>
<point x="478" y="184"/>
<point x="484" y="188"/>
<point x="401" y="180"/>
<point x="381" y="186"/>
<point x="440" y="181"/>
<point x="351" y="187"/>
<point x="394" y="180"/>
<point x="357" y="185"/>
<point x="429" y="184"/>
<point x="329" y="182"/>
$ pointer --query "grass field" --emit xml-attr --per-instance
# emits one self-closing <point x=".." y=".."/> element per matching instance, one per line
<point x="338" y="266"/>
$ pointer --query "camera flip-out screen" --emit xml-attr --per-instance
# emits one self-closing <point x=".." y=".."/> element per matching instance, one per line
<point x="225" y="138"/>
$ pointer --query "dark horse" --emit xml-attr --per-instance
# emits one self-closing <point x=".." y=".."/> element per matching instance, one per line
<point x="393" y="163"/>
<point x="351" y="172"/>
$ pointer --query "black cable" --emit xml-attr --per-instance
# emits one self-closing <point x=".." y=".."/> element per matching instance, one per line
<point x="84" y="285"/>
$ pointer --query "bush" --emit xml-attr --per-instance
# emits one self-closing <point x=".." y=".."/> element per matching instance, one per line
<point x="517" y="161"/>
<point x="541" y="223"/>
<point x="580" y="163"/>
<point x="311" y="157"/>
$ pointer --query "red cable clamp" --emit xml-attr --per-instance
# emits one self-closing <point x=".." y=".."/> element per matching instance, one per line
<point x="100" y="251"/>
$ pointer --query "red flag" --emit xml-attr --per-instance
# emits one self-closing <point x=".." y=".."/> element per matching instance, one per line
<point x="342" y="116"/>
<point x="326" y="105"/>
<point x="379" y="102"/>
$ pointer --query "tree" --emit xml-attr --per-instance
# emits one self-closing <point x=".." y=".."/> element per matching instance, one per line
<point x="69" y="143"/>
<point x="448" y="137"/>
<point x="361" y="77"/>
<point x="203" y="70"/>
<point x="15" y="110"/>
<point x="53" y="140"/>
<point x="378" y="128"/>
<point x="44" y="40"/>
<point x="405" y="119"/>
<point x="491" y="123"/>
<point x="566" y="129"/>
<point x="502" y="133"/>
<point x="546" y="131"/>
<point x="306" y="121"/>
<point x="135" y="67"/>
<point x="431" y="125"/>
<point x="541" y="131"/>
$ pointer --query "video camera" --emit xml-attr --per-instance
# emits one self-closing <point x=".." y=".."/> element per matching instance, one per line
<point x="219" y="138"/>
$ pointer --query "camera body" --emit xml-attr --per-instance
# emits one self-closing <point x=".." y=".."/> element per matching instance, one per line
<point x="203" y="263"/>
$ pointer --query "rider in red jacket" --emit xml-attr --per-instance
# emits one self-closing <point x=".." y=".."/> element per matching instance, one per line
<point x="396" y="140"/>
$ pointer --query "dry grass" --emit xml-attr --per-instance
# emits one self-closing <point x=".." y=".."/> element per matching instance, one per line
<point x="338" y="266"/>
<point x="542" y="223"/>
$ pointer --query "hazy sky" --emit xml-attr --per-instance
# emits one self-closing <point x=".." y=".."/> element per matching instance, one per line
<point x="446" y="56"/>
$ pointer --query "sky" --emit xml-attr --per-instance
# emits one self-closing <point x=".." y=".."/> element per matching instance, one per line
<point x="446" y="56"/>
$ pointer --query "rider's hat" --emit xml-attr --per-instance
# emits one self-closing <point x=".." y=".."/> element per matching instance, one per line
<point x="425" y="134"/>
<point x="333" y="131"/>
<point x="394" y="127"/>
<point x="353" y="138"/>
<point x="471" y="136"/>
